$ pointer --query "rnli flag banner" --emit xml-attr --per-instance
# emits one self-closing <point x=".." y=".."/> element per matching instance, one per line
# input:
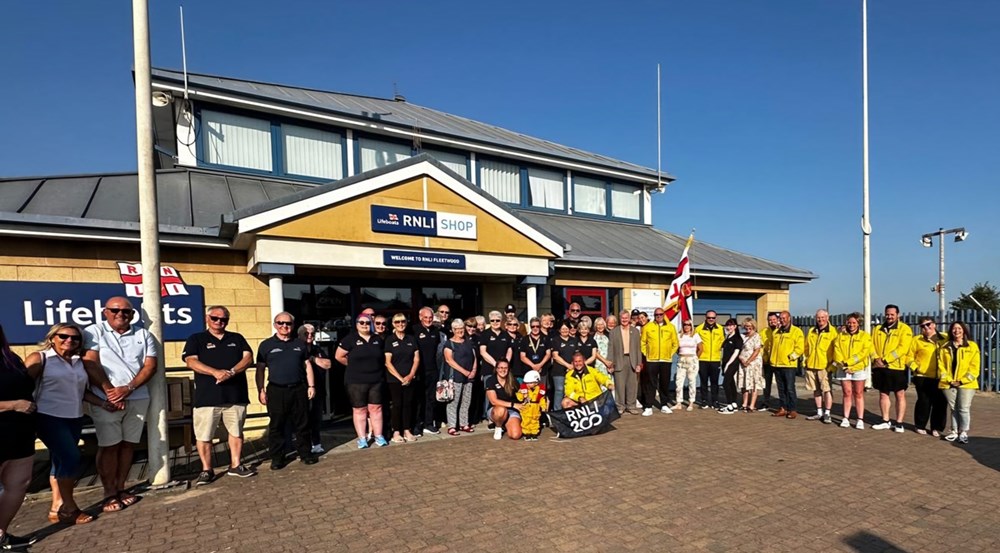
<point x="585" y="419"/>
<point x="171" y="283"/>
<point x="679" y="303"/>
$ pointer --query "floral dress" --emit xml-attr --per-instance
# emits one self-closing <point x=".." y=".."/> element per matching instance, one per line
<point x="602" y="348"/>
<point x="750" y="377"/>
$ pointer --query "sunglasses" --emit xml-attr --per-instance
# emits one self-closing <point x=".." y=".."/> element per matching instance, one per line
<point x="574" y="310"/>
<point x="657" y="314"/>
<point x="223" y="320"/>
<point x="709" y="318"/>
<point x="444" y="312"/>
<point x="283" y="323"/>
<point x="363" y="323"/>
<point x="70" y="337"/>
<point x="379" y="323"/>
<point x="536" y="326"/>
<point x="116" y="310"/>
<point x="399" y="322"/>
<point x="494" y="320"/>
<point x="926" y="325"/>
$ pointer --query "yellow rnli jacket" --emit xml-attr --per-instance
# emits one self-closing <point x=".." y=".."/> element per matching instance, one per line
<point x="711" y="340"/>
<point x="786" y="347"/>
<point x="586" y="385"/>
<point x="961" y="364"/>
<point x="892" y="346"/>
<point x="852" y="351"/>
<point x="765" y="343"/>
<point x="923" y="354"/>
<point x="819" y="348"/>
<point x="659" y="342"/>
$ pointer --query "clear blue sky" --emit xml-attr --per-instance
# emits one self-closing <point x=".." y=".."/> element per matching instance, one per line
<point x="761" y="100"/>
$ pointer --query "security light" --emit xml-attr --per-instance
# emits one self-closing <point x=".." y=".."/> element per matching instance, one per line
<point x="926" y="241"/>
<point x="961" y="235"/>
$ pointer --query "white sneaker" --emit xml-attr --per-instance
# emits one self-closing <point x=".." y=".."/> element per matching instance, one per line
<point x="727" y="410"/>
<point x="666" y="410"/>
<point x="860" y="425"/>
<point x="497" y="433"/>
<point x="884" y="425"/>
<point x="898" y="428"/>
<point x="637" y="404"/>
<point x="952" y="436"/>
<point x="318" y="449"/>
<point x="690" y="407"/>
<point x="845" y="423"/>
<point x="963" y="438"/>
<point x="647" y="412"/>
<point x="815" y="417"/>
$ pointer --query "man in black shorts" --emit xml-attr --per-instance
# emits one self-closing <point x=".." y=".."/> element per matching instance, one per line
<point x="290" y="387"/>
<point x="890" y="348"/>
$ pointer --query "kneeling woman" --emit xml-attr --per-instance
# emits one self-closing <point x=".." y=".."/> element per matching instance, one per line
<point x="501" y="388"/>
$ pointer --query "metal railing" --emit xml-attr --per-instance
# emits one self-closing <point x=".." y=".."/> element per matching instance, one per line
<point x="984" y="329"/>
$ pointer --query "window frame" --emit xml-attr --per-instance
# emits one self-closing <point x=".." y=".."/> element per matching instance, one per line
<point x="277" y="144"/>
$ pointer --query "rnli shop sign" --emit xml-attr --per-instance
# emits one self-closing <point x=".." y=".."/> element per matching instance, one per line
<point x="400" y="220"/>
<point x="28" y="309"/>
<point x="423" y="260"/>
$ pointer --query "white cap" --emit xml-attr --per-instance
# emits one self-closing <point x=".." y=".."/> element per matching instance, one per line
<point x="532" y="377"/>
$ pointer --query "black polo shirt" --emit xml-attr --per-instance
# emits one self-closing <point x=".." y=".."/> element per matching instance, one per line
<point x="427" y="344"/>
<point x="224" y="354"/>
<point x="402" y="351"/>
<point x="534" y="350"/>
<point x="496" y="345"/>
<point x="565" y="348"/>
<point x="586" y="347"/>
<point x="285" y="360"/>
<point x="491" y="383"/>
<point x="516" y="368"/>
<point x="365" y="359"/>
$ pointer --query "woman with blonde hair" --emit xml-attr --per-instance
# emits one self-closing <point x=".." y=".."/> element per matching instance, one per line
<point x="689" y="348"/>
<point x="750" y="375"/>
<point x="62" y="388"/>
<point x="852" y="352"/>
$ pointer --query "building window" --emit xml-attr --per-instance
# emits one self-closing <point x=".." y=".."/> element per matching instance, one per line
<point x="590" y="196"/>
<point x="500" y="180"/>
<point x="546" y="189"/>
<point x="456" y="162"/>
<point x="625" y="201"/>
<point x="312" y="152"/>
<point x="376" y="153"/>
<point x="237" y="141"/>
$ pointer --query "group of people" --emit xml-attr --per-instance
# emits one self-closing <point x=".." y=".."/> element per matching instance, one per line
<point x="503" y="371"/>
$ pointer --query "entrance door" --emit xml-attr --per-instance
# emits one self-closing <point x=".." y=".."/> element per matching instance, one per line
<point x="593" y="301"/>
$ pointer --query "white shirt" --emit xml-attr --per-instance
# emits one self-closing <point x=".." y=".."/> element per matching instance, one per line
<point x="122" y="355"/>
<point x="688" y="344"/>
<point x="60" y="393"/>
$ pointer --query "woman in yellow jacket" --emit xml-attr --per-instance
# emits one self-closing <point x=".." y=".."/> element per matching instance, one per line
<point x="851" y="354"/>
<point x="958" y="368"/>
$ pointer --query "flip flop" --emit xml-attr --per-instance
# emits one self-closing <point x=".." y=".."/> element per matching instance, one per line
<point x="127" y="499"/>
<point x="111" y="505"/>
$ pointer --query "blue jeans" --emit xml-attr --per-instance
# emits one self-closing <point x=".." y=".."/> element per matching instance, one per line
<point x="786" y="387"/>
<point x="61" y="437"/>
<point x="558" y="392"/>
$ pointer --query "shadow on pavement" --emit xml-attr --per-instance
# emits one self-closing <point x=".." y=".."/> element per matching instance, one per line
<point x="984" y="450"/>
<point x="866" y="542"/>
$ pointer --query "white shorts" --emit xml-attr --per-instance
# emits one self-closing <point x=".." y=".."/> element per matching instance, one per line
<point x="120" y="426"/>
<point x="856" y="376"/>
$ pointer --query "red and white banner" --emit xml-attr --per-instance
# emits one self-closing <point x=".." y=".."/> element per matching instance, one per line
<point x="679" y="297"/>
<point x="171" y="283"/>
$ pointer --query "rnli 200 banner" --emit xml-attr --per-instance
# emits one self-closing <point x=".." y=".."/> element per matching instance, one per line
<point x="28" y="309"/>
<point x="587" y="418"/>
<point x="401" y="220"/>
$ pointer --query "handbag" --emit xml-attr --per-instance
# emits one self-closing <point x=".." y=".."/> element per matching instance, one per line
<point x="445" y="391"/>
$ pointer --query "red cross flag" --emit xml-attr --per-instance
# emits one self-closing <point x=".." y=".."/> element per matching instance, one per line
<point x="171" y="283"/>
<point x="679" y="303"/>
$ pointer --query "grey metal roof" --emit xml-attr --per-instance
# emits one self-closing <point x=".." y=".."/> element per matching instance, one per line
<point x="189" y="200"/>
<point x="597" y="242"/>
<point x="401" y="114"/>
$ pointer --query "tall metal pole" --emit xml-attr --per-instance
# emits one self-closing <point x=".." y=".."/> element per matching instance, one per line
<point x="659" y="182"/>
<point x="156" y="420"/>
<point x="941" y="312"/>
<point x="866" y="228"/>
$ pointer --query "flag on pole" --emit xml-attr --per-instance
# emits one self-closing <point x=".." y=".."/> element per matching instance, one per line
<point x="171" y="283"/>
<point x="679" y="302"/>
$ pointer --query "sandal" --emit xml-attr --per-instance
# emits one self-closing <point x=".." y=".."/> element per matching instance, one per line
<point x="127" y="499"/>
<point x="111" y="505"/>
<point x="469" y="429"/>
<point x="75" y="517"/>
<point x="397" y="440"/>
<point x="453" y="432"/>
<point x="53" y="516"/>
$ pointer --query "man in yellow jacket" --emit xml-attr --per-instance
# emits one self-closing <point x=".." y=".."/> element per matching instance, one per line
<point x="765" y="340"/>
<point x="819" y="362"/>
<point x="659" y="344"/>
<point x="712" y="337"/>
<point x="584" y="383"/>
<point x="890" y="350"/>
<point x="787" y="346"/>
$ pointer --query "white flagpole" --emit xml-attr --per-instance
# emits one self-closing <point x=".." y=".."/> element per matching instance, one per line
<point x="866" y="228"/>
<point x="659" y="181"/>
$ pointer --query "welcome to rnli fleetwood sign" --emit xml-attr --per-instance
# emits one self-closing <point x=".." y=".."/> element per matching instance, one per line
<point x="29" y="309"/>
<point x="400" y="220"/>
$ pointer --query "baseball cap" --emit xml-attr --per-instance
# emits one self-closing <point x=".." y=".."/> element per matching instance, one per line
<point x="636" y="312"/>
<point x="510" y="308"/>
<point x="532" y="377"/>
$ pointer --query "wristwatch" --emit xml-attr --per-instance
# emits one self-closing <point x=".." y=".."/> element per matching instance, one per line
<point x="130" y="387"/>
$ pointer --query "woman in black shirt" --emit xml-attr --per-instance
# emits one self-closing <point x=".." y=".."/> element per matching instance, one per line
<point x="460" y="357"/>
<point x="362" y="353"/>
<point x="501" y="391"/>
<point x="730" y="365"/>
<point x="17" y="434"/>
<point x="564" y="347"/>
<point x="402" y="360"/>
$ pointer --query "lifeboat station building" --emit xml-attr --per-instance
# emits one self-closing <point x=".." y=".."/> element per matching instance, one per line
<point x="274" y="197"/>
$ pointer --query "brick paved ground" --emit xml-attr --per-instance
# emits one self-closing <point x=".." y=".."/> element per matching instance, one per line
<point x="695" y="481"/>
